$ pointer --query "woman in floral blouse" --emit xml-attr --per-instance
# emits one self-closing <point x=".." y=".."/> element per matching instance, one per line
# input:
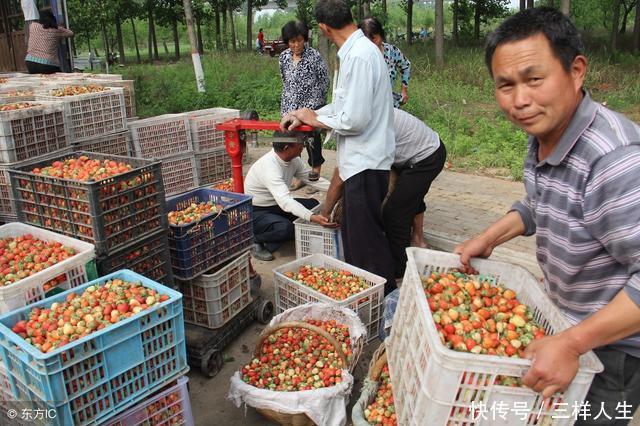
<point x="305" y="82"/>
<point x="395" y="59"/>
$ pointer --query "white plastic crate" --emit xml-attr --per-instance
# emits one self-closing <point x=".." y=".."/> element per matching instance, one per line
<point x="16" y="93"/>
<point x="203" y="127"/>
<point x="31" y="289"/>
<point x="111" y="144"/>
<point x="437" y="386"/>
<point x="213" y="167"/>
<point x="214" y="298"/>
<point x="129" y="92"/>
<point x="312" y="238"/>
<point x="368" y="304"/>
<point x="168" y="407"/>
<point x="91" y="114"/>
<point x="31" y="132"/>
<point x="179" y="174"/>
<point x="162" y="136"/>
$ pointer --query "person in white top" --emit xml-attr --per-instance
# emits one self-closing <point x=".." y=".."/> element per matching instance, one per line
<point x="361" y="117"/>
<point x="31" y="14"/>
<point x="274" y="208"/>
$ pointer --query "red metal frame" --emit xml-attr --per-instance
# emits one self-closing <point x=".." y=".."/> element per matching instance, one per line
<point x="236" y="142"/>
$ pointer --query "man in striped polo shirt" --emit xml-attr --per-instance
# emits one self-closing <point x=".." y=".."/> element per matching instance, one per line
<point x="582" y="181"/>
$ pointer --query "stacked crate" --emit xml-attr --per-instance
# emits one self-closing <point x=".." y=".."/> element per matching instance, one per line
<point x="89" y="115"/>
<point x="26" y="134"/>
<point x="210" y="258"/>
<point x="123" y="216"/>
<point x="213" y="163"/>
<point x="167" y="138"/>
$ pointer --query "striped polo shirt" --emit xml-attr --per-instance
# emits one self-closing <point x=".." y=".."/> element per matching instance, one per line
<point x="583" y="204"/>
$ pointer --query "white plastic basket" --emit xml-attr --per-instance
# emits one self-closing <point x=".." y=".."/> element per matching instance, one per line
<point x="162" y="136"/>
<point x="312" y="238"/>
<point x="203" y="127"/>
<point x="437" y="386"/>
<point x="211" y="300"/>
<point x="169" y="407"/>
<point x="367" y="304"/>
<point x="31" y="289"/>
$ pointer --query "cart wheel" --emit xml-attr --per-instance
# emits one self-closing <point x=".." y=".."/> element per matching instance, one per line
<point x="249" y="115"/>
<point x="211" y="363"/>
<point x="265" y="312"/>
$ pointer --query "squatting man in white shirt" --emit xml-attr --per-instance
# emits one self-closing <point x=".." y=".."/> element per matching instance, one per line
<point x="274" y="208"/>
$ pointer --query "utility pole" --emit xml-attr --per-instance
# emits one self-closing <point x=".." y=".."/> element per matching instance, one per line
<point x="195" y="54"/>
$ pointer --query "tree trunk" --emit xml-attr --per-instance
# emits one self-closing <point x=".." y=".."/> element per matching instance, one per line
<point x="366" y="9"/>
<point x="150" y="36"/>
<point x="166" y="48"/>
<point x="529" y="4"/>
<point x="440" y="33"/>
<point x="199" y="37"/>
<point x="176" y="38"/>
<point x="456" y="35"/>
<point x="476" y="22"/>
<point x="193" y="43"/>
<point x="156" y="56"/>
<point x="218" y="32"/>
<point x="120" y="41"/>
<point x="384" y="10"/>
<point x="523" y="5"/>
<point x="615" y="25"/>
<point x="565" y="7"/>
<point x="250" y="42"/>
<point x="625" y="17"/>
<point x="409" y="21"/>
<point x="225" y="32"/>
<point x="135" y="40"/>
<point x="233" y="29"/>
<point x="636" y="30"/>
<point x="105" y="41"/>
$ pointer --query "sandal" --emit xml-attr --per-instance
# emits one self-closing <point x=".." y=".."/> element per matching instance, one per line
<point x="314" y="176"/>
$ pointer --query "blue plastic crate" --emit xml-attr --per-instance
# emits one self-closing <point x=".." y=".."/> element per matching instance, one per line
<point x="100" y="375"/>
<point x="200" y="246"/>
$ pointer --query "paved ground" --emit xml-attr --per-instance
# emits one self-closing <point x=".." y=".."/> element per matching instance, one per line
<point x="458" y="207"/>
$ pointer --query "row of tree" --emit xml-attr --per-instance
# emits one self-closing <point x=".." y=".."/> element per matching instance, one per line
<point x="105" y="20"/>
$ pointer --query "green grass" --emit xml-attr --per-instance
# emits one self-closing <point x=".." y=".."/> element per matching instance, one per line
<point x="457" y="101"/>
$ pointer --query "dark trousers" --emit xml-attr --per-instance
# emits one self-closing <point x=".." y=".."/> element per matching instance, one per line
<point x="365" y="244"/>
<point x="37" y="68"/>
<point x="617" y="385"/>
<point x="314" y="150"/>
<point x="406" y="201"/>
<point x="272" y="226"/>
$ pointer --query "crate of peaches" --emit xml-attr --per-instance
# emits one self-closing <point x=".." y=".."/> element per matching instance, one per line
<point x="458" y="341"/>
<point x="169" y="407"/>
<point x="34" y="262"/>
<point x="300" y="372"/>
<point x="321" y="278"/>
<point x="93" y="351"/>
<point x="91" y="110"/>
<point x="104" y="199"/>
<point x="207" y="227"/>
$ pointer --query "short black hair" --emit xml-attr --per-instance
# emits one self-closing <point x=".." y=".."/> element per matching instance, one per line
<point x="281" y="146"/>
<point x="562" y="35"/>
<point x="333" y="13"/>
<point x="371" y="27"/>
<point x="48" y="19"/>
<point x="293" y="29"/>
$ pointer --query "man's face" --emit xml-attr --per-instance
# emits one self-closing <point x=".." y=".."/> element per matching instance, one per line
<point x="534" y="90"/>
<point x="294" y="150"/>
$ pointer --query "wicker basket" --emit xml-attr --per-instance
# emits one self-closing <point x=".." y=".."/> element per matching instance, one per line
<point x="298" y="419"/>
<point x="369" y="387"/>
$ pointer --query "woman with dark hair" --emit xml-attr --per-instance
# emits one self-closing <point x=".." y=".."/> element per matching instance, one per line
<point x="42" y="50"/>
<point x="395" y="59"/>
<point x="305" y="83"/>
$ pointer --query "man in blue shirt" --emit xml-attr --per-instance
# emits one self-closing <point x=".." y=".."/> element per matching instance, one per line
<point x="361" y="117"/>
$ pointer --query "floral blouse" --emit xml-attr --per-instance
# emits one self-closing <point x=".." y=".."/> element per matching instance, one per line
<point x="305" y="84"/>
<point x="395" y="59"/>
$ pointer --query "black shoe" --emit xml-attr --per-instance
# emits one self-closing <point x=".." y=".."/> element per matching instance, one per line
<point x="261" y="253"/>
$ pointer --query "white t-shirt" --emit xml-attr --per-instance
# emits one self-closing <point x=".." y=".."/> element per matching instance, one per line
<point x="269" y="179"/>
<point x="415" y="140"/>
<point x="29" y="10"/>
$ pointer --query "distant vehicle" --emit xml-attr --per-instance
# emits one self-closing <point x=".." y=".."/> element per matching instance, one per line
<point x="274" y="47"/>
